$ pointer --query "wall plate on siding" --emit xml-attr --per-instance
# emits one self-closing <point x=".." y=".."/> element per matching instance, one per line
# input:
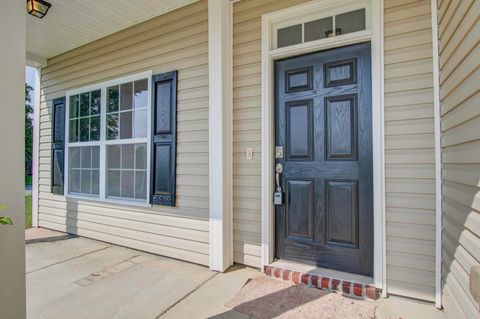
<point x="475" y="282"/>
<point x="249" y="153"/>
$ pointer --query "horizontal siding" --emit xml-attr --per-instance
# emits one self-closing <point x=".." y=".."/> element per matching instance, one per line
<point x="175" y="41"/>
<point x="247" y="125"/>
<point x="409" y="149"/>
<point x="459" y="44"/>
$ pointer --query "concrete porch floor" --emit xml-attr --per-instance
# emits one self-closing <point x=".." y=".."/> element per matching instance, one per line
<point x="74" y="277"/>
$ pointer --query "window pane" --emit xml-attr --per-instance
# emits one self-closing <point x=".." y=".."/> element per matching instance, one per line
<point x="74" y="157"/>
<point x="95" y="128"/>
<point x="141" y="156"/>
<point x="127" y="156"/>
<point x="86" y="181"/>
<point x="112" y="127"/>
<point x="318" y="29"/>
<point x="350" y="22"/>
<point x="126" y="167"/>
<point x="86" y="157"/>
<point x="112" y="99"/>
<point x="126" y="125"/>
<point x="82" y="178"/>
<point x="73" y="130"/>
<point x="140" y="185"/>
<point x="95" y="182"/>
<point x="141" y="93"/>
<point x="140" y="123"/>
<point x="73" y="107"/>
<point x="95" y="98"/>
<point x="84" y="104"/>
<point x="289" y="35"/>
<point x="113" y="183"/>
<point x="127" y="184"/>
<point x="96" y="157"/>
<point x="113" y="156"/>
<point x="84" y="129"/>
<point x="74" y="177"/>
<point x="126" y="92"/>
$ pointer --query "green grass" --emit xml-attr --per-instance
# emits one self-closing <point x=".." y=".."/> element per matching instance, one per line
<point x="28" y="180"/>
<point x="28" y="211"/>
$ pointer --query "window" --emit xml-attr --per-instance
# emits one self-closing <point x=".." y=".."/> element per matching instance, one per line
<point x="108" y="133"/>
<point x="322" y="24"/>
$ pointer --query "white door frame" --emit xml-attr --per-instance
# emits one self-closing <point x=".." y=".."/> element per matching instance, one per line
<point x="269" y="55"/>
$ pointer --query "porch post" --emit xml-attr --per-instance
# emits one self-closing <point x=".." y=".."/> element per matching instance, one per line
<point x="220" y="133"/>
<point x="12" y="168"/>
<point x="36" y="145"/>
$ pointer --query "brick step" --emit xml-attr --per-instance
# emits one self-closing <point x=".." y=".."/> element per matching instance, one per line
<point x="348" y="288"/>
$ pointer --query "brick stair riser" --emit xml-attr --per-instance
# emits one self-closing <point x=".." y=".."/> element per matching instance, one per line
<point x="345" y="287"/>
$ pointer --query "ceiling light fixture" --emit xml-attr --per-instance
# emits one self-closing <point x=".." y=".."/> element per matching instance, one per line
<point x="38" y="8"/>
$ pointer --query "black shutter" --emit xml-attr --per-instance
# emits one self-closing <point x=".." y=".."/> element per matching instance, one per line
<point x="164" y="138"/>
<point x="58" y="145"/>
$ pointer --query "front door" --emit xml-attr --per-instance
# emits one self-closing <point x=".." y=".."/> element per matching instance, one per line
<point x="323" y="120"/>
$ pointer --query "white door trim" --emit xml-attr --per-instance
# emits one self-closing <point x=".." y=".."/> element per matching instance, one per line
<point x="375" y="35"/>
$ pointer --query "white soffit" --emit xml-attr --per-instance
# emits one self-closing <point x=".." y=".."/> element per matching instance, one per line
<point x="72" y="23"/>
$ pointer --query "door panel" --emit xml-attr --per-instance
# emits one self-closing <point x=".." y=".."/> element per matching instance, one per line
<point x="299" y="80"/>
<point x="299" y="129"/>
<point x="340" y="72"/>
<point x="342" y="212"/>
<point x="300" y="208"/>
<point x="323" y="120"/>
<point x="341" y="127"/>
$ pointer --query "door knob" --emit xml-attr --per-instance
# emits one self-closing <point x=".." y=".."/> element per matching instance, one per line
<point x="278" y="196"/>
<point x="278" y="170"/>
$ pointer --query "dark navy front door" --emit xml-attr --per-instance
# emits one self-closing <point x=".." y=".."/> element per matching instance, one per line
<point x="323" y="119"/>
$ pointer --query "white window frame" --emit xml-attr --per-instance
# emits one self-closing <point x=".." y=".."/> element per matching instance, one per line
<point x="103" y="142"/>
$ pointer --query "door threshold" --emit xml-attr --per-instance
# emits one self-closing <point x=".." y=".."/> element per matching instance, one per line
<point x="353" y="285"/>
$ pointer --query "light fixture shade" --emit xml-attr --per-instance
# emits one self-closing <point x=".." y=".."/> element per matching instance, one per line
<point x="38" y="8"/>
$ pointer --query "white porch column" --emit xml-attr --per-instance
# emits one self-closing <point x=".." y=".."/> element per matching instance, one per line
<point x="36" y="145"/>
<point x="220" y="133"/>
<point x="12" y="150"/>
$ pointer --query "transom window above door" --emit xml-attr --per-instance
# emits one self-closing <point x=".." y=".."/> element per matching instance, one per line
<point x="331" y="20"/>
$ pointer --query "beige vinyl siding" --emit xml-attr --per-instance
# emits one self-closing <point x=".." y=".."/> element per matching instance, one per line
<point x="409" y="149"/>
<point x="459" y="45"/>
<point x="174" y="41"/>
<point x="247" y="72"/>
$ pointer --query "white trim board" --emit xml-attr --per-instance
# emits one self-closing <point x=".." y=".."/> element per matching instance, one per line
<point x="438" y="158"/>
<point x="374" y="34"/>
<point x="220" y="124"/>
<point x="36" y="146"/>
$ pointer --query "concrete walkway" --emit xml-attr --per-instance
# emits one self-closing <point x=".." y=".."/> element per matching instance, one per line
<point x="73" y="277"/>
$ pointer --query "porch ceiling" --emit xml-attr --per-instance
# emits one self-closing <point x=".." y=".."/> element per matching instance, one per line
<point x="70" y="24"/>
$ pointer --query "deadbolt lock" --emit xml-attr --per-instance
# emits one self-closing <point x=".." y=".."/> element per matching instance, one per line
<point x="278" y="151"/>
